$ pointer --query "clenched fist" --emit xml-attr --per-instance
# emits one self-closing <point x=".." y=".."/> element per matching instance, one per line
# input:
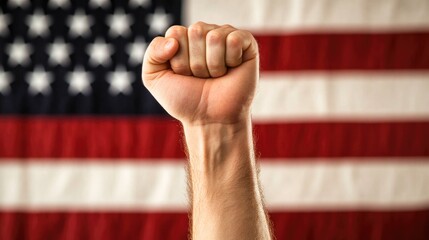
<point x="204" y="73"/>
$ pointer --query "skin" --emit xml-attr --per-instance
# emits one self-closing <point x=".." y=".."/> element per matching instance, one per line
<point x="205" y="76"/>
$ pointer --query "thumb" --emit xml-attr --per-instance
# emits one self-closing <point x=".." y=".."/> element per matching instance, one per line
<point x="157" y="55"/>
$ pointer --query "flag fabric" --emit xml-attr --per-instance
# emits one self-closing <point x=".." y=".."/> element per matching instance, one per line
<point x="341" y="118"/>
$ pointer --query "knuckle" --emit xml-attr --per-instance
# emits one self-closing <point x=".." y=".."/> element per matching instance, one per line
<point x="251" y="37"/>
<point x="248" y="35"/>
<point x="175" y="31"/>
<point x="234" y="40"/>
<point x="180" y="67"/>
<point x="198" y="67"/>
<point x="217" y="69"/>
<point x="214" y="36"/>
<point x="244" y="33"/>
<point x="237" y="38"/>
<point x="200" y="23"/>
<point x="218" y="73"/>
<point x="228" y="28"/>
<point x="196" y="29"/>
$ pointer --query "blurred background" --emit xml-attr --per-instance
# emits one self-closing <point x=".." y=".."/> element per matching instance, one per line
<point x="341" y="118"/>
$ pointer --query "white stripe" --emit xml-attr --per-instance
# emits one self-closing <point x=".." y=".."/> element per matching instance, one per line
<point x="291" y="15"/>
<point x="68" y="185"/>
<point x="350" y="185"/>
<point x="342" y="95"/>
<point x="146" y="186"/>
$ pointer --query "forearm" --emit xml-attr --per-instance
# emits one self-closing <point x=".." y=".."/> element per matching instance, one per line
<point x="207" y="73"/>
<point x="225" y="195"/>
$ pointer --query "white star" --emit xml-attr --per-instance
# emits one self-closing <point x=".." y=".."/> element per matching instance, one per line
<point x="99" y="3"/>
<point x="99" y="53"/>
<point x="5" y="81"/>
<point x="4" y="23"/>
<point x="59" y="52"/>
<point x="136" y="51"/>
<point x="139" y="3"/>
<point x="79" y="82"/>
<point x="39" y="81"/>
<point x="79" y="24"/>
<point x="19" y="3"/>
<point x="19" y="53"/>
<point x="159" y="21"/>
<point x="38" y="24"/>
<point x="120" y="81"/>
<point x="59" y="3"/>
<point x="119" y="23"/>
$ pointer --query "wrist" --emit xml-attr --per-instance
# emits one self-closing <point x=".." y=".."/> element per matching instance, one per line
<point x="219" y="149"/>
<point x="215" y="132"/>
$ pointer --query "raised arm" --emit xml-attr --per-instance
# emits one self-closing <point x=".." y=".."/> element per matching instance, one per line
<point x="205" y="76"/>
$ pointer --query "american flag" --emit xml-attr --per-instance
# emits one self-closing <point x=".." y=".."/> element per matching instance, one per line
<point x="341" y="118"/>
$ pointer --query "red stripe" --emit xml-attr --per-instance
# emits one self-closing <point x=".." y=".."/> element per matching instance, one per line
<point x="343" y="139"/>
<point x="408" y="225"/>
<point x="338" y="51"/>
<point x="106" y="226"/>
<point x="139" y="138"/>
